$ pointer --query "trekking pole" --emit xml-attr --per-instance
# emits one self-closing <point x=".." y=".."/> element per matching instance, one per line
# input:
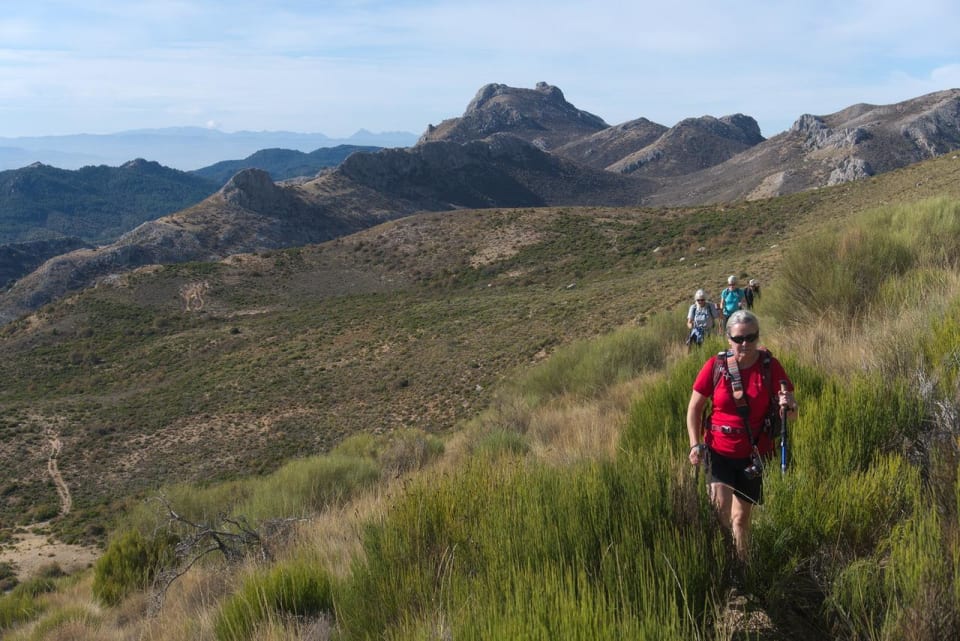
<point x="784" y="451"/>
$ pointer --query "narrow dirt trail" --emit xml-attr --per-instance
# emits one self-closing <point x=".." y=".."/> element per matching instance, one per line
<point x="53" y="468"/>
<point x="33" y="547"/>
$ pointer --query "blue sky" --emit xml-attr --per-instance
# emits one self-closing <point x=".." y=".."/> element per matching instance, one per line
<point x="335" y="66"/>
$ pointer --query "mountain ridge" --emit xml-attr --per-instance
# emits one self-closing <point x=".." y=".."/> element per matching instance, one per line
<point x="700" y="161"/>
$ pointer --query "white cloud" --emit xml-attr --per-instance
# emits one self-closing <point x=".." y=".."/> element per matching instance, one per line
<point x="340" y="65"/>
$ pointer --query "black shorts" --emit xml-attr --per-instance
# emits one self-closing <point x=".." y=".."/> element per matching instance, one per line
<point x="730" y="471"/>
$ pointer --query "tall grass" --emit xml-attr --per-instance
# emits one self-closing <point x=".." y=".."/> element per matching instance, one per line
<point x="24" y="602"/>
<point x="289" y="589"/>
<point x="522" y="549"/>
<point x="838" y="273"/>
<point x="588" y="368"/>
<point x="862" y="532"/>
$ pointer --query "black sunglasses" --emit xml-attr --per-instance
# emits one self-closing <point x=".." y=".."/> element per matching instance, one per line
<point x="746" y="338"/>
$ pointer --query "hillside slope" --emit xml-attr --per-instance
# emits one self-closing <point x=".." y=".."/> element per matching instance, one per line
<point x="159" y="375"/>
<point x="251" y="213"/>
<point x="94" y="204"/>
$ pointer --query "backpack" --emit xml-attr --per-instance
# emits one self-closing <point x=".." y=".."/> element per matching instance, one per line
<point x="711" y="310"/>
<point x="771" y="423"/>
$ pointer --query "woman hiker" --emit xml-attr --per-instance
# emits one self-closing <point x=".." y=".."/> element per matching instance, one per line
<point x="731" y="298"/>
<point x="702" y="318"/>
<point x="744" y="381"/>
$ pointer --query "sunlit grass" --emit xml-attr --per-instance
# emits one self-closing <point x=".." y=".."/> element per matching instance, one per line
<point x="567" y="509"/>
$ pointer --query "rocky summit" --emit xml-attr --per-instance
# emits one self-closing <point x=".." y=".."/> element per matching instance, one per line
<point x="541" y="116"/>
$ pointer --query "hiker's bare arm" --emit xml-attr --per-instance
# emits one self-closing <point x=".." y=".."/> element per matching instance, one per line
<point x="694" y="412"/>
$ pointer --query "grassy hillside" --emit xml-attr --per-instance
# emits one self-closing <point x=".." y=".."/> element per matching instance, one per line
<point x="374" y="346"/>
<point x="411" y="324"/>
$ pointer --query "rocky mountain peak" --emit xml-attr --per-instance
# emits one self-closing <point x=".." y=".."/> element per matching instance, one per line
<point x="540" y="115"/>
<point x="252" y="189"/>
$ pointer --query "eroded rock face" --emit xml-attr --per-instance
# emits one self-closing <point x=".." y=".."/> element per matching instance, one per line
<point x="848" y="169"/>
<point x="693" y="144"/>
<point x="817" y="135"/>
<point x="936" y="131"/>
<point x="252" y="189"/>
<point x="541" y="116"/>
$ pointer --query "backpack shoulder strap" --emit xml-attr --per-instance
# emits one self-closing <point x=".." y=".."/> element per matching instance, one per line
<point x="720" y="367"/>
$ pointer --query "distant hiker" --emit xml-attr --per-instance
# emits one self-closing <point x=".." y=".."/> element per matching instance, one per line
<point x="748" y="296"/>
<point x="702" y="318"/>
<point x="741" y="382"/>
<point x="755" y="287"/>
<point x="731" y="299"/>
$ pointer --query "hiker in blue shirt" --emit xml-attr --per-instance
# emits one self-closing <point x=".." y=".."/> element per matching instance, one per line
<point x="702" y="318"/>
<point x="731" y="299"/>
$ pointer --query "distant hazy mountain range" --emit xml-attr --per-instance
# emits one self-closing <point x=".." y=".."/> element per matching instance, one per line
<point x="184" y="148"/>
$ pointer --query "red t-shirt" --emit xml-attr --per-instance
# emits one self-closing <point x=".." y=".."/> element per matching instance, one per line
<point x="724" y="410"/>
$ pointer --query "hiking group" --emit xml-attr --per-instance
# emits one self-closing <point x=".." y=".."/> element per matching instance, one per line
<point x="750" y="398"/>
<point x="704" y="316"/>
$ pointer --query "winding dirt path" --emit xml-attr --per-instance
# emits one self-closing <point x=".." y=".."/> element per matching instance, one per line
<point x="56" y="446"/>
<point x="33" y="547"/>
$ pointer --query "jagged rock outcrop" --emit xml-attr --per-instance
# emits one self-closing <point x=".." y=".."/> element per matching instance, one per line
<point x="541" y="116"/>
<point x="817" y="135"/>
<point x="859" y="141"/>
<point x="607" y="146"/>
<point x="693" y="144"/>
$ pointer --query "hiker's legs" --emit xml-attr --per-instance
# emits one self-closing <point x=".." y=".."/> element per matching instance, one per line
<point x="740" y="524"/>
<point x="735" y="515"/>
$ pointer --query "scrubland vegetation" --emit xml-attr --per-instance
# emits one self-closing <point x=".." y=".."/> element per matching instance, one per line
<point x="568" y="510"/>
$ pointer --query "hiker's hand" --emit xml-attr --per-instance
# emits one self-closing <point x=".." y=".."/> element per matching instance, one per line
<point x="696" y="454"/>
<point x="787" y="400"/>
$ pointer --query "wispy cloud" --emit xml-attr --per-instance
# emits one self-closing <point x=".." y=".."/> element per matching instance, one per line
<point x="340" y="65"/>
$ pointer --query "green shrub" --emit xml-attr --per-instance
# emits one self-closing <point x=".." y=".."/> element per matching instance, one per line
<point x="408" y="450"/>
<point x="197" y="504"/>
<point x="51" y="625"/>
<point x="853" y="271"/>
<point x="16" y="608"/>
<point x="294" y="588"/>
<point x="307" y="486"/>
<point x="903" y="590"/>
<point x="838" y="272"/>
<point x="587" y="368"/>
<point x="497" y="442"/>
<point x="8" y="577"/>
<point x="130" y="563"/>
<point x="21" y="604"/>
<point x="361" y="445"/>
